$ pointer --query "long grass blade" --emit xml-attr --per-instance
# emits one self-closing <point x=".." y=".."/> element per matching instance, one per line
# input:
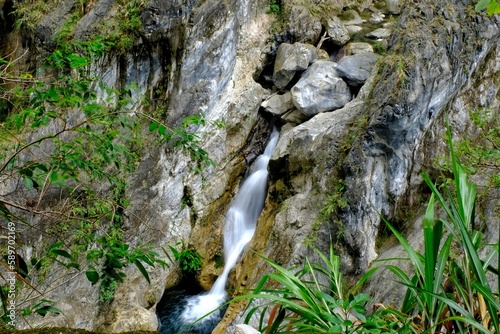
<point x="416" y="259"/>
<point x="432" y="239"/>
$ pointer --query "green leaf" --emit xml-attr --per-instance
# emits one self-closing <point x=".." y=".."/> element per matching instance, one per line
<point x="46" y="309"/>
<point x="62" y="253"/>
<point x="493" y="7"/>
<point x="92" y="276"/>
<point x="153" y="126"/>
<point x="143" y="271"/>
<point x="28" y="182"/>
<point x="162" y="129"/>
<point x="54" y="176"/>
<point x="482" y="5"/>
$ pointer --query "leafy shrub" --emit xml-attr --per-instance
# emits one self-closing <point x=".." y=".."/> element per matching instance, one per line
<point x="450" y="294"/>
<point x="299" y="302"/>
<point x="75" y="135"/>
<point x="189" y="260"/>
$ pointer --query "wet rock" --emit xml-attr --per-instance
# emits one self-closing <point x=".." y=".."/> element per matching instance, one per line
<point x="290" y="59"/>
<point x="278" y="104"/>
<point x="357" y="68"/>
<point x="320" y="89"/>
<point x="337" y="31"/>
<point x="379" y="33"/>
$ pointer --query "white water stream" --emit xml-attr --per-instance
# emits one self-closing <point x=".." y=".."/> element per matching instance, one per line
<point x="239" y="228"/>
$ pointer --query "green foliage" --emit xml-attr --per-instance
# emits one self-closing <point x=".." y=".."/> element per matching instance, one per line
<point x="115" y="255"/>
<point x="75" y="136"/>
<point x="189" y="260"/>
<point x="450" y="294"/>
<point x="274" y="6"/>
<point x="42" y="307"/>
<point x="332" y="206"/>
<point x="30" y="13"/>
<point x="181" y="137"/>
<point x="299" y="302"/>
<point x="492" y="6"/>
<point x="480" y="153"/>
<point x="482" y="158"/>
<point x="123" y="28"/>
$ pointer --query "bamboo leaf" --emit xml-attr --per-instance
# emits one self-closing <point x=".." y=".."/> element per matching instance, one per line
<point x="143" y="270"/>
<point x="415" y="258"/>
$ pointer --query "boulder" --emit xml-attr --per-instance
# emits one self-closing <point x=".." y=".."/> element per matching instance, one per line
<point x="377" y="17"/>
<point x="294" y="117"/>
<point x="358" y="47"/>
<point x="323" y="55"/>
<point x="357" y="68"/>
<point x="303" y="26"/>
<point x="320" y="89"/>
<point x="291" y="58"/>
<point x="353" y="29"/>
<point x="278" y="104"/>
<point x="351" y="18"/>
<point x="337" y="31"/>
<point x="379" y="33"/>
<point x="393" y="6"/>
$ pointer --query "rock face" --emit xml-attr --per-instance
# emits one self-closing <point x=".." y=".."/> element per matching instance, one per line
<point x="382" y="168"/>
<point x="320" y="89"/>
<point x="362" y="156"/>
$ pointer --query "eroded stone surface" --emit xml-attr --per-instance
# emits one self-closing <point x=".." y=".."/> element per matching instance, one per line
<point x="278" y="104"/>
<point x="320" y="89"/>
<point x="357" y="68"/>
<point x="337" y="31"/>
<point x="290" y="59"/>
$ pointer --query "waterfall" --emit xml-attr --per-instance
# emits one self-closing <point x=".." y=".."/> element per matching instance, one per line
<point x="239" y="228"/>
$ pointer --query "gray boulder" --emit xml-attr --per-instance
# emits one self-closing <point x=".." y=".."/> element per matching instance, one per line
<point x="337" y="31"/>
<point x="393" y="6"/>
<point x="358" y="47"/>
<point x="379" y="33"/>
<point x="351" y="17"/>
<point x="357" y="68"/>
<point x="278" y="104"/>
<point x="353" y="29"/>
<point x="291" y="58"/>
<point x="320" y="89"/>
<point x="303" y="26"/>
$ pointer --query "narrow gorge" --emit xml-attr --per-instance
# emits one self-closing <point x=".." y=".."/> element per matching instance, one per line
<point x="361" y="91"/>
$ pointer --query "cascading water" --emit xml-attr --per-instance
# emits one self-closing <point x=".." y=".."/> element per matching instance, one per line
<point x="239" y="228"/>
